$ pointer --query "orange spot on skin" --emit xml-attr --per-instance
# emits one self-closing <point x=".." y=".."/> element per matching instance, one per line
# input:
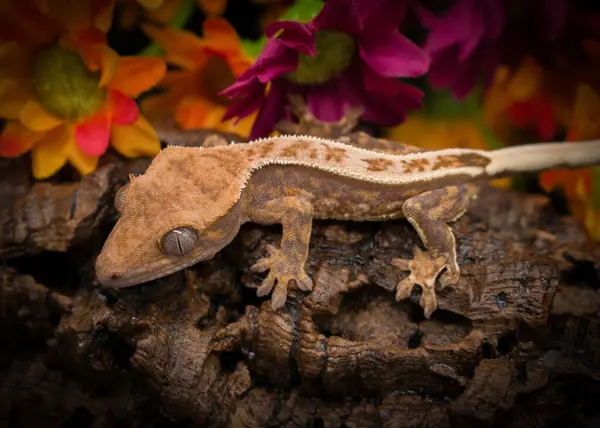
<point x="415" y="165"/>
<point x="334" y="154"/>
<point x="378" y="165"/>
<point x="266" y="149"/>
<point x="457" y="161"/>
<point x="293" y="150"/>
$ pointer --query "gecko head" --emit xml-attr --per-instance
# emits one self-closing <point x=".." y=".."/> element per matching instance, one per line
<point x="182" y="211"/>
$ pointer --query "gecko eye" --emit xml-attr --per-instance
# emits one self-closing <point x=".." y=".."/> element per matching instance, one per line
<point x="120" y="197"/>
<point x="179" y="242"/>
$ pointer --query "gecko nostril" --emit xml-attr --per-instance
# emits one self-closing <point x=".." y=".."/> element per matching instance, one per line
<point x="115" y="276"/>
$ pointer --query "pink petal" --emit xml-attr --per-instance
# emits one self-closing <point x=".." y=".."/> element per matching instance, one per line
<point x="476" y="32"/>
<point x="124" y="110"/>
<point x="424" y="15"/>
<point x="453" y="28"/>
<point x="275" y="60"/>
<point x="378" y="85"/>
<point x="383" y="111"/>
<point x="327" y="102"/>
<point x="240" y="85"/>
<point x="251" y="102"/>
<point x="92" y="134"/>
<point x="381" y="106"/>
<point x="281" y="60"/>
<point x="458" y="76"/>
<point x="339" y="15"/>
<point x="271" y="111"/>
<point x="393" y="55"/>
<point x="294" y="35"/>
<point x="381" y="16"/>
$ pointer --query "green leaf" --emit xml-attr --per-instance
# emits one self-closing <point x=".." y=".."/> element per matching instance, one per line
<point x="253" y="48"/>
<point x="302" y="10"/>
<point x="443" y="104"/>
<point x="491" y="140"/>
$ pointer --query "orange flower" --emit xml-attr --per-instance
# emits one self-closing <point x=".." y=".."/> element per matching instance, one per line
<point x="518" y="99"/>
<point x="581" y="186"/>
<point x="207" y="66"/>
<point x="212" y="7"/>
<point x="162" y="11"/>
<point x="63" y="92"/>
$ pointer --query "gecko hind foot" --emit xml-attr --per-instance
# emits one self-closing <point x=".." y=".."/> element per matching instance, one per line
<point x="282" y="270"/>
<point x="424" y="269"/>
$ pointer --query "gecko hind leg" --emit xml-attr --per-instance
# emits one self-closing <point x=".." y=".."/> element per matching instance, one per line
<point x="428" y="213"/>
<point x="309" y="124"/>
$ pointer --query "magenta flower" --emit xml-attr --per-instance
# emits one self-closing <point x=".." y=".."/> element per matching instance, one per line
<point x="349" y="55"/>
<point x="473" y="37"/>
<point x="463" y="44"/>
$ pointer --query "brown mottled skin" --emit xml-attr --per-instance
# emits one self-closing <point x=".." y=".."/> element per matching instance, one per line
<point x="292" y="179"/>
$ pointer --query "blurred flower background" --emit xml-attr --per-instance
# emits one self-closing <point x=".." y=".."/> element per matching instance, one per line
<point x="79" y="78"/>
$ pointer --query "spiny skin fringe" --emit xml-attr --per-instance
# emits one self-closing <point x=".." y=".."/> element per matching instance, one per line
<point x="417" y="155"/>
<point x="346" y="172"/>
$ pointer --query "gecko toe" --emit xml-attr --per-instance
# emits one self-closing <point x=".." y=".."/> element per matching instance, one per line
<point x="261" y="265"/>
<point x="266" y="286"/>
<point x="305" y="283"/>
<point x="279" y="296"/>
<point x="428" y="301"/>
<point x="402" y="264"/>
<point x="449" y="277"/>
<point x="404" y="288"/>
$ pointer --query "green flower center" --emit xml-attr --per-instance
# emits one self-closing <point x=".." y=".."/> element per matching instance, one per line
<point x="65" y="86"/>
<point x="334" y="55"/>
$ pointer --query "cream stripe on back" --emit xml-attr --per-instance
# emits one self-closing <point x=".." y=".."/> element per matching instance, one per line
<point x="362" y="164"/>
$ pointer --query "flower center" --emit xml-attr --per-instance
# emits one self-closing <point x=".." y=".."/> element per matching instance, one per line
<point x="65" y="86"/>
<point x="334" y="54"/>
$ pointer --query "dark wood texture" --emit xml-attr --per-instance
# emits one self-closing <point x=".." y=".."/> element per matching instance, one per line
<point x="516" y="344"/>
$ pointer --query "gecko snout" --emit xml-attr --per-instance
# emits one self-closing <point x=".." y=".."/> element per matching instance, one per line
<point x="104" y="273"/>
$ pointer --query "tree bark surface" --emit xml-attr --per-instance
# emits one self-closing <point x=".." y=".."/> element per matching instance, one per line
<point x="515" y="344"/>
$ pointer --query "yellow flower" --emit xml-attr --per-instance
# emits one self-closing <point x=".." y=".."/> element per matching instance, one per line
<point x="435" y="133"/>
<point x="63" y="92"/>
<point x="207" y="65"/>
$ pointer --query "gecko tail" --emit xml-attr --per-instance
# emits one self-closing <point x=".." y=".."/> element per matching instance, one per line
<point x="543" y="156"/>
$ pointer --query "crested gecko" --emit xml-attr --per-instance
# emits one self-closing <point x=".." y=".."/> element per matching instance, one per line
<point x="191" y="203"/>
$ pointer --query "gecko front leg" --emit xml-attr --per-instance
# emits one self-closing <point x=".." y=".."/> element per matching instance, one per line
<point x="428" y="213"/>
<point x="287" y="262"/>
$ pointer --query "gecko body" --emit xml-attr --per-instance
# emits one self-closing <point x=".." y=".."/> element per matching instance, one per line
<point x="191" y="203"/>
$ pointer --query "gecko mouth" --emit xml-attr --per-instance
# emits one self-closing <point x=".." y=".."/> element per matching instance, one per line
<point x="140" y="275"/>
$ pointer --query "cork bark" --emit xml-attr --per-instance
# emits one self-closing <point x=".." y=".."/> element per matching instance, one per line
<point x="517" y="343"/>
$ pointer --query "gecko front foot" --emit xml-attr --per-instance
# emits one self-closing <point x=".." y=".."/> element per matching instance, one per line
<point x="282" y="270"/>
<point x="424" y="269"/>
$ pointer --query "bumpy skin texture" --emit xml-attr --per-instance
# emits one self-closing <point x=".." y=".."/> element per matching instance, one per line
<point x="291" y="180"/>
